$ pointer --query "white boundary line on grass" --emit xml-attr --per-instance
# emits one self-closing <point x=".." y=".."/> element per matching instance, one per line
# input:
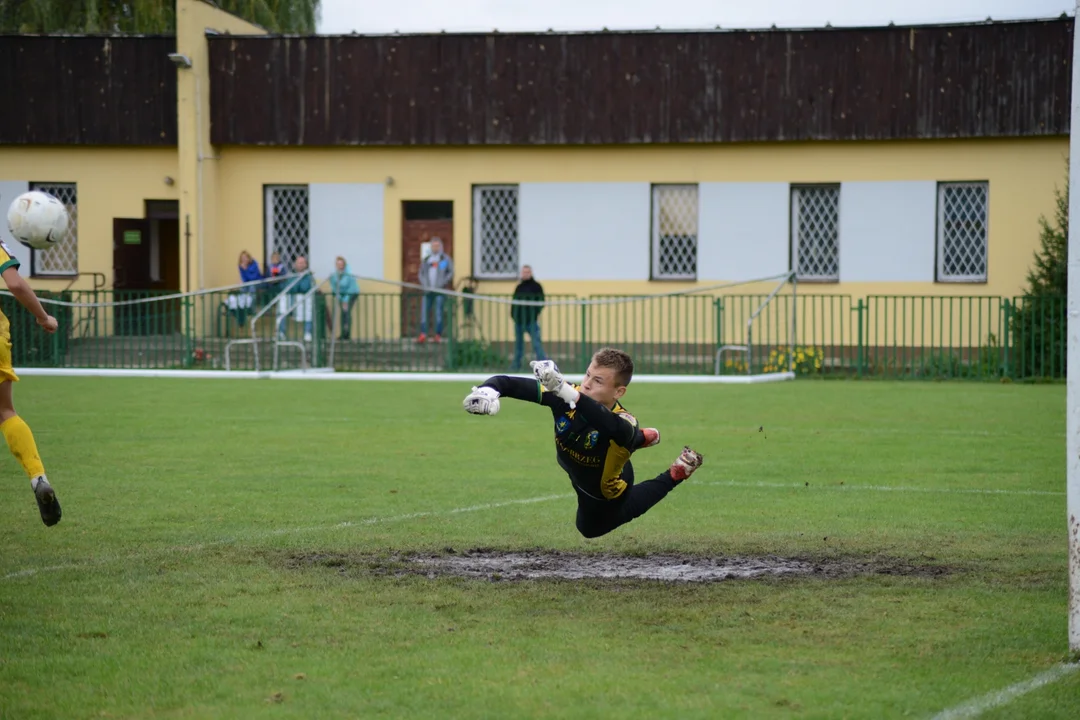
<point x="175" y="549"/>
<point x="330" y="374"/>
<point x="879" y="488"/>
<point x="990" y="701"/>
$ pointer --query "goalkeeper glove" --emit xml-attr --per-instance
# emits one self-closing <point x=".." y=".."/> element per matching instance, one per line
<point x="547" y="374"/>
<point x="482" y="401"/>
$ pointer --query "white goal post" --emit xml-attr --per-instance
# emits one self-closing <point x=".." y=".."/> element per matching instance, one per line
<point x="1072" y="430"/>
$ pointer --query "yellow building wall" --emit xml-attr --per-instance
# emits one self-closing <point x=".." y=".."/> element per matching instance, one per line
<point x="110" y="182"/>
<point x="197" y="157"/>
<point x="1022" y="174"/>
<point x="115" y="182"/>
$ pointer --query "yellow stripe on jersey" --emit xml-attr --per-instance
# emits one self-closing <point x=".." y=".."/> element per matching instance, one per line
<point x="611" y="483"/>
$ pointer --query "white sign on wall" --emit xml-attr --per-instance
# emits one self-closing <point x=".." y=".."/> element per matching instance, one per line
<point x="346" y="219"/>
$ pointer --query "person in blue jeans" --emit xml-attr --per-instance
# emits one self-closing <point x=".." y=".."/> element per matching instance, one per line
<point x="436" y="273"/>
<point x="346" y="291"/>
<point x="526" y="317"/>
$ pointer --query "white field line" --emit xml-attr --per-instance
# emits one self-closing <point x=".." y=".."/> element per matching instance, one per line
<point x="331" y="375"/>
<point x="880" y="488"/>
<point x="178" y="549"/>
<point x="990" y="701"/>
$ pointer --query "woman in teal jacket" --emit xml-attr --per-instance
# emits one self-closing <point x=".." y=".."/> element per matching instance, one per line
<point x="346" y="291"/>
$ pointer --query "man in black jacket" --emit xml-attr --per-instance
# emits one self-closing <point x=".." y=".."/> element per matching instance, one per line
<point x="526" y="317"/>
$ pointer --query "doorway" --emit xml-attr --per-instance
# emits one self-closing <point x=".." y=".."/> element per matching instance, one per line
<point x="146" y="262"/>
<point x="422" y="220"/>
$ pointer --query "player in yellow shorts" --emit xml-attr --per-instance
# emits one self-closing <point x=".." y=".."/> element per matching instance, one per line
<point x="19" y="438"/>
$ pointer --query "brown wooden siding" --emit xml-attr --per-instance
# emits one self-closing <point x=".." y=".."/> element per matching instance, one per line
<point x="85" y="90"/>
<point x="984" y="80"/>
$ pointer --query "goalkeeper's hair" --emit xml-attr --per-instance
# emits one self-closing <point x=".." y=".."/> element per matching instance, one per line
<point x="616" y="360"/>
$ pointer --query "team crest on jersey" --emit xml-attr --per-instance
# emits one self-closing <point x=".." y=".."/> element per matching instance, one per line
<point x="591" y="440"/>
<point x="562" y="425"/>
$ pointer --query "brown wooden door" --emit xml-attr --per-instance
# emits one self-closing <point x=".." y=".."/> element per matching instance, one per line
<point x="171" y="316"/>
<point x="131" y="272"/>
<point x="169" y="253"/>
<point x="422" y="221"/>
<point x="163" y="216"/>
<point x="131" y="254"/>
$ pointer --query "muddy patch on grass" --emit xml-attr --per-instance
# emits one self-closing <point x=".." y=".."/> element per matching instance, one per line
<point x="537" y="566"/>
<point x="497" y="565"/>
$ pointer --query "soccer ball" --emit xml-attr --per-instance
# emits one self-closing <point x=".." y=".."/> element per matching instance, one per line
<point x="37" y="220"/>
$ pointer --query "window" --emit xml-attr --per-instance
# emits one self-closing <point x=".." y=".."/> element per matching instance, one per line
<point x="495" y="232"/>
<point x="815" y="232"/>
<point x="287" y="222"/>
<point x="961" y="232"/>
<point x="674" y="232"/>
<point x="64" y="258"/>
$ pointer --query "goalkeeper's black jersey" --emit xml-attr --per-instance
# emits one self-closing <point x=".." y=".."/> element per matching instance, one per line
<point x="592" y="443"/>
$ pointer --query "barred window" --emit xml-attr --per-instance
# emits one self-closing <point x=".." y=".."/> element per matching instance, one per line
<point x="961" y="232"/>
<point x="815" y="232"/>
<point x="674" y="232"/>
<point x="287" y="222"/>
<point x="63" y="259"/>
<point x="495" y="232"/>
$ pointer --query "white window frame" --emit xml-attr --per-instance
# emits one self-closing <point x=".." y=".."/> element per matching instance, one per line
<point x="657" y="266"/>
<point x="35" y="254"/>
<point x="793" y="234"/>
<point x="939" y="249"/>
<point x="268" y="219"/>
<point x="478" y="234"/>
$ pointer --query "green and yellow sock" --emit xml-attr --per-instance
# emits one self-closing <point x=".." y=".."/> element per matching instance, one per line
<point x="20" y="441"/>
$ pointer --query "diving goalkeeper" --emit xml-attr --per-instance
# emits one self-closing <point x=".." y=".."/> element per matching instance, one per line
<point x="594" y="437"/>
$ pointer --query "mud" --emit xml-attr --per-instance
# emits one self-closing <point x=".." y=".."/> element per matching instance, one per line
<point x="496" y="565"/>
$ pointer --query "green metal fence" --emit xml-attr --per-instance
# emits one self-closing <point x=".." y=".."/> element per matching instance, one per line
<point x="910" y="337"/>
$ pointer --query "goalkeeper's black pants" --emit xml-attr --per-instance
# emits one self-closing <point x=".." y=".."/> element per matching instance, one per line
<point x="599" y="517"/>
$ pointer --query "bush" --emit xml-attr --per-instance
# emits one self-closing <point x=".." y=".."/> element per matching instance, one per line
<point x="476" y="355"/>
<point x="734" y="366"/>
<point x="1038" y="322"/>
<point x="808" y="360"/>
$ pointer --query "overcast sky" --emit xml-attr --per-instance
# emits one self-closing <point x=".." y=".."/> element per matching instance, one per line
<point x="384" y="16"/>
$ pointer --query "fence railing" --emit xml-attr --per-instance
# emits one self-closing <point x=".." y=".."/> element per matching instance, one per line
<point x="911" y="337"/>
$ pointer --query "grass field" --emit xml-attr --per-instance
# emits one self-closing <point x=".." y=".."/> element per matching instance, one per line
<point x="241" y="549"/>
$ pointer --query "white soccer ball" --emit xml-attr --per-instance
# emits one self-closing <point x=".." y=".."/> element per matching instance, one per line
<point x="37" y="220"/>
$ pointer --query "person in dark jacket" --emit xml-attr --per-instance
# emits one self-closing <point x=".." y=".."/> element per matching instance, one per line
<point x="526" y="317"/>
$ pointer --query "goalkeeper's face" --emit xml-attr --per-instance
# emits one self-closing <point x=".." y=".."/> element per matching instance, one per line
<point x="600" y="384"/>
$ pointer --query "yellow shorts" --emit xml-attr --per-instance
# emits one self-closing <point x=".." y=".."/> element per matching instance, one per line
<point x="7" y="371"/>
